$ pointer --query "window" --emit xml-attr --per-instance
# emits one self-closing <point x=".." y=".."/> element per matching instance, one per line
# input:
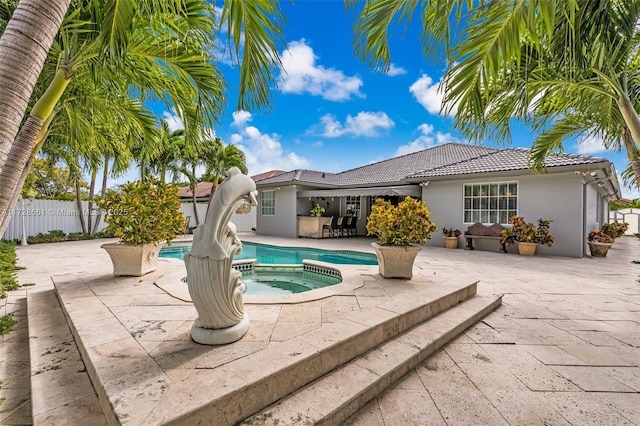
<point x="353" y="206"/>
<point x="268" y="203"/>
<point x="492" y="202"/>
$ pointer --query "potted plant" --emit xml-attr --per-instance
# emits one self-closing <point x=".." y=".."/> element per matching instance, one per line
<point x="526" y="235"/>
<point x="451" y="237"/>
<point x="143" y="215"/>
<point x="317" y="210"/>
<point x="399" y="228"/>
<point x="615" y="229"/>
<point x="599" y="243"/>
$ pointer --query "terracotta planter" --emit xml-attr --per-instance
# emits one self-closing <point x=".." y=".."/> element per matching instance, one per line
<point x="451" y="242"/>
<point x="599" y="249"/>
<point x="133" y="260"/>
<point x="396" y="261"/>
<point x="527" y="249"/>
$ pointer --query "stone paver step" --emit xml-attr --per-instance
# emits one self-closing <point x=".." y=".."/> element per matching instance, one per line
<point x="61" y="392"/>
<point x="336" y="396"/>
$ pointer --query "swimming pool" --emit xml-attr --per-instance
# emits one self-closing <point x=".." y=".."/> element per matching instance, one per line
<point x="274" y="255"/>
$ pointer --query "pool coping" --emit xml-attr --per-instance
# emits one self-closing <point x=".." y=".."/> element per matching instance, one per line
<point x="351" y="280"/>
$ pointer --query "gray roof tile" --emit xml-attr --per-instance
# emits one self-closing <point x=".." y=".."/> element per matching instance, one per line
<point x="442" y="160"/>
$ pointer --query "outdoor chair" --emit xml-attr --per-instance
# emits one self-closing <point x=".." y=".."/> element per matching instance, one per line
<point x="352" y="226"/>
<point x="185" y="228"/>
<point x="331" y="227"/>
<point x="344" y="225"/>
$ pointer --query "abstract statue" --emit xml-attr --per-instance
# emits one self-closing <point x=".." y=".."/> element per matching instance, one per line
<point x="215" y="288"/>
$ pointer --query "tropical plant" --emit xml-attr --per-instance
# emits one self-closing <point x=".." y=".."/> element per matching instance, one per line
<point x="7" y="268"/>
<point x="568" y="68"/>
<point x="598" y="236"/>
<point x="615" y="229"/>
<point x="143" y="212"/>
<point x="527" y="232"/>
<point x="161" y="49"/>
<point x="318" y="210"/>
<point x="218" y="159"/>
<point x="401" y="225"/>
<point x="450" y="232"/>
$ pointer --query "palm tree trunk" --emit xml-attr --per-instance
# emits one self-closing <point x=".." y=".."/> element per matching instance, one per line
<point x="23" y="49"/>
<point x="633" y="123"/>
<point x="103" y="191"/>
<point x="79" y="203"/>
<point x="92" y="188"/>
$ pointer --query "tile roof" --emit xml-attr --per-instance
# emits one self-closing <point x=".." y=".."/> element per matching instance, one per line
<point x="442" y="160"/>
<point x="503" y="160"/>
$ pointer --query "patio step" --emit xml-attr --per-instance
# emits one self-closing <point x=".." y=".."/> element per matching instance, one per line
<point x="61" y="392"/>
<point x="280" y="370"/>
<point x="333" y="398"/>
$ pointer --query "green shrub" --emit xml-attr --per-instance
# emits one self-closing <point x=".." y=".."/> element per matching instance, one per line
<point x="615" y="229"/>
<point x="143" y="212"/>
<point x="6" y="324"/>
<point x="407" y="223"/>
<point x="7" y="268"/>
<point x="78" y="236"/>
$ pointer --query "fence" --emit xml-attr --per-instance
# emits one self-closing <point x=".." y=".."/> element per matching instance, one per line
<point x="42" y="216"/>
<point x="631" y="216"/>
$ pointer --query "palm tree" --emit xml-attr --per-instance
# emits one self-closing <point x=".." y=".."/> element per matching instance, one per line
<point x="162" y="48"/>
<point x="218" y="159"/>
<point x="569" y="68"/>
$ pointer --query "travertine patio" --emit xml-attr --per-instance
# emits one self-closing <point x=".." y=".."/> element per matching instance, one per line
<point x="562" y="349"/>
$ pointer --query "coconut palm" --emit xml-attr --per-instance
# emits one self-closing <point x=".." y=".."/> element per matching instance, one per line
<point x="162" y="48"/>
<point x="569" y="68"/>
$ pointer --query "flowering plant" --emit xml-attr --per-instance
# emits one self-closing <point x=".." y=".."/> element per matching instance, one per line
<point x="527" y="232"/>
<point x="401" y="225"/>
<point x="615" y="229"/>
<point x="596" y="236"/>
<point x="450" y="232"/>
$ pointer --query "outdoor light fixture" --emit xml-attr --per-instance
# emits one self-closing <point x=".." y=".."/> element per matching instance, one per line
<point x="424" y="183"/>
<point x="593" y="174"/>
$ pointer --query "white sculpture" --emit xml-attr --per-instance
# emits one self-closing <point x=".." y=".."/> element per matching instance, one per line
<point x="215" y="288"/>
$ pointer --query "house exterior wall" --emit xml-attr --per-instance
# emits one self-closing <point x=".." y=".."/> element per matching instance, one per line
<point x="284" y="222"/>
<point x="552" y="196"/>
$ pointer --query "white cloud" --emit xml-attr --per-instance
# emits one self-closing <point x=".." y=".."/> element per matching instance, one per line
<point x="590" y="144"/>
<point x="300" y="74"/>
<point x="365" y="123"/>
<point x="241" y="118"/>
<point x="427" y="139"/>
<point x="429" y="94"/>
<point x="395" y="70"/>
<point x="173" y="120"/>
<point x="264" y="152"/>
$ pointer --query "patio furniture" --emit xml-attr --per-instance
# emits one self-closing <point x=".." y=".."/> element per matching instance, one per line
<point x="344" y="225"/>
<point x="353" y="230"/>
<point x="331" y="227"/>
<point x="479" y="231"/>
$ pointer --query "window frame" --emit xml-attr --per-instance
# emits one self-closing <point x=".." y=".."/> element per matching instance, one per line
<point x="357" y="198"/>
<point x="499" y="206"/>
<point x="270" y="206"/>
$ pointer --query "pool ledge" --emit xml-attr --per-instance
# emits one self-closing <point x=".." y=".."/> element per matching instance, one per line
<point x="351" y="279"/>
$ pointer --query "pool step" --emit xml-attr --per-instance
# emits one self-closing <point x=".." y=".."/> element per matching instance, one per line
<point x="248" y="385"/>
<point x="333" y="398"/>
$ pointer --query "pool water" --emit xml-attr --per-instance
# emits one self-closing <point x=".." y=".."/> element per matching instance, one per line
<point x="266" y="254"/>
<point x="273" y="281"/>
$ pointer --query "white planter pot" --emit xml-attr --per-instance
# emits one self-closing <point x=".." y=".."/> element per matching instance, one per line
<point x="133" y="260"/>
<point x="394" y="261"/>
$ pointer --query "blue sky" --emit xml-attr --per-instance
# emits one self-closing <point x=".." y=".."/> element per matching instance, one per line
<point x="330" y="112"/>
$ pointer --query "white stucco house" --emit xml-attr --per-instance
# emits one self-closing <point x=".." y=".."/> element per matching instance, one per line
<point x="460" y="184"/>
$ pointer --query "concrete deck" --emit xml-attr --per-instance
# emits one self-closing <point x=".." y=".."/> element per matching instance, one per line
<point x="563" y="348"/>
